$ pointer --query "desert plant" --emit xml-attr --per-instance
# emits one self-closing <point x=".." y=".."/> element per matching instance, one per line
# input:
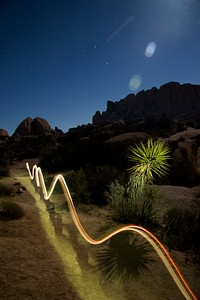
<point x="149" y="160"/>
<point x="10" y="210"/>
<point x="78" y="185"/>
<point x="129" y="211"/>
<point x="99" y="177"/>
<point x="6" y="190"/>
<point x="136" y="200"/>
<point x="181" y="230"/>
<point x="6" y="158"/>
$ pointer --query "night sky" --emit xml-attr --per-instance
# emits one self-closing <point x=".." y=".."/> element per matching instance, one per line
<point x="62" y="60"/>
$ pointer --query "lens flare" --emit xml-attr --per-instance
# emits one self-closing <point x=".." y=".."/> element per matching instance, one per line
<point x="150" y="49"/>
<point x="152" y="239"/>
<point x="135" y="82"/>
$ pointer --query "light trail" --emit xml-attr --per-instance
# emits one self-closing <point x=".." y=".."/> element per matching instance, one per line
<point x="156" y="244"/>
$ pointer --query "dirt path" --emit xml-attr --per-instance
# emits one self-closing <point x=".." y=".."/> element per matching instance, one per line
<point x="42" y="256"/>
<point x="30" y="267"/>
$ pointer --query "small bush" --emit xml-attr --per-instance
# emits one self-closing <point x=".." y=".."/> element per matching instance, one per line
<point x="128" y="211"/>
<point x="182" y="229"/>
<point x="78" y="186"/>
<point x="4" y="171"/>
<point x="99" y="177"/>
<point x="5" y="190"/>
<point x="10" y="210"/>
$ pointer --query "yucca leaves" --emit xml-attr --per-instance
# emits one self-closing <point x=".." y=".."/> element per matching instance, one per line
<point x="149" y="160"/>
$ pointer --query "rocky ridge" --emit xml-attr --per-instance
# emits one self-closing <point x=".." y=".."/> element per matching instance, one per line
<point x="172" y="99"/>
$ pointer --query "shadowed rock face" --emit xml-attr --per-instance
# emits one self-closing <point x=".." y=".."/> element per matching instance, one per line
<point x="31" y="126"/>
<point x="172" y="99"/>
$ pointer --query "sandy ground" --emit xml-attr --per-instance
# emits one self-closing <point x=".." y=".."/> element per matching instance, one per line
<point x="42" y="256"/>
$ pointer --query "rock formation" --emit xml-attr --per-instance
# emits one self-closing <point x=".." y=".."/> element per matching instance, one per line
<point x="172" y="100"/>
<point x="31" y="126"/>
<point x="3" y="133"/>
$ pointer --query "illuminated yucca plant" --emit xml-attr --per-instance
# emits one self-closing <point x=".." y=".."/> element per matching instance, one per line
<point x="149" y="160"/>
<point x="134" y="203"/>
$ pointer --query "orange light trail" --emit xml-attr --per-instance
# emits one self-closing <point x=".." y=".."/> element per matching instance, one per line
<point x="152" y="239"/>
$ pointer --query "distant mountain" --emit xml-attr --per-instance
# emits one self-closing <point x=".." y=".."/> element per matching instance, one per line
<point x="172" y="100"/>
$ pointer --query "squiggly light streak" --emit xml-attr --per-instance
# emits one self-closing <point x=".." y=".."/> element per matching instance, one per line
<point x="156" y="244"/>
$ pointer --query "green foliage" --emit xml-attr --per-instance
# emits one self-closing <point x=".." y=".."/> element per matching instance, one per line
<point x="182" y="229"/>
<point x="149" y="160"/>
<point x="129" y="211"/>
<point x="134" y="202"/>
<point x="10" y="210"/>
<point x="78" y="186"/>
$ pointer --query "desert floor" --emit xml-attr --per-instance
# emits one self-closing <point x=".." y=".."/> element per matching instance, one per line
<point x="43" y="256"/>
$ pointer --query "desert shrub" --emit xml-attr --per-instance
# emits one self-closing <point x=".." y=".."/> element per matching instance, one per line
<point x="182" y="229"/>
<point x="10" y="210"/>
<point x="76" y="154"/>
<point x="78" y="186"/>
<point x="99" y="177"/>
<point x="5" y="160"/>
<point x="127" y="211"/>
<point x="134" y="201"/>
<point x="6" y="190"/>
<point x="4" y="170"/>
<point x="49" y="159"/>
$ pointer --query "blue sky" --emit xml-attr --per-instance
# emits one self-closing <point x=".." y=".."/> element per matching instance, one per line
<point x="62" y="60"/>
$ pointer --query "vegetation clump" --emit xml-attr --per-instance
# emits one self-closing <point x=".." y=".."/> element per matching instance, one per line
<point x="134" y="201"/>
<point x="9" y="210"/>
<point x="181" y="230"/>
<point x="6" y="190"/>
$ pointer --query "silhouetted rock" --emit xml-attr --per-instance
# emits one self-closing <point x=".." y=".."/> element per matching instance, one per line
<point x="31" y="126"/>
<point x="3" y="133"/>
<point x="129" y="136"/>
<point x="24" y="127"/>
<point x="172" y="100"/>
<point x="40" y="126"/>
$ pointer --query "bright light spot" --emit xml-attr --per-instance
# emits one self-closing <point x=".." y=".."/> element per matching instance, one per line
<point x="135" y="82"/>
<point x="150" y="49"/>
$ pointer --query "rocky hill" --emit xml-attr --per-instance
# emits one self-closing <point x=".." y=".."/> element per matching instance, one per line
<point x="172" y="99"/>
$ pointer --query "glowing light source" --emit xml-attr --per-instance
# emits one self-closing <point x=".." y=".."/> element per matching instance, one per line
<point x="156" y="244"/>
<point x="150" y="49"/>
<point x="135" y="82"/>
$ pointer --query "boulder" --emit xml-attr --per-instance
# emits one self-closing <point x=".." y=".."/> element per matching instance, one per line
<point x="129" y="136"/>
<point x="40" y="126"/>
<point x="31" y="126"/>
<point x="24" y="127"/>
<point x="185" y="149"/>
<point x="3" y="133"/>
